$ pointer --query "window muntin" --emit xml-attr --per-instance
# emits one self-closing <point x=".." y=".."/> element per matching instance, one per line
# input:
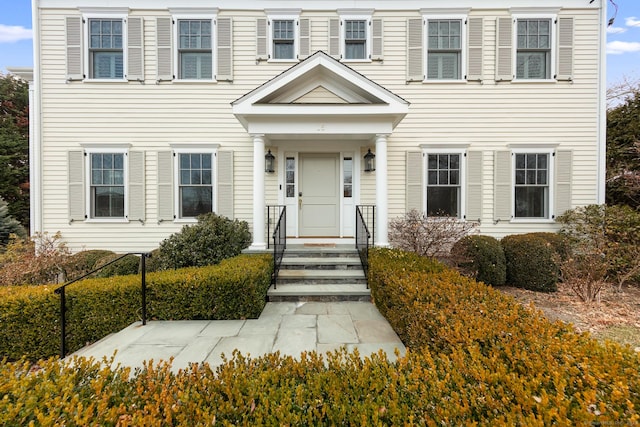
<point x="347" y="182"/>
<point x="195" y="188"/>
<point x="290" y="178"/>
<point x="533" y="58"/>
<point x="106" y="55"/>
<point x="195" y="56"/>
<point x="443" y="184"/>
<point x="107" y="185"/>
<point x="531" y="185"/>
<point x="355" y="39"/>
<point x="444" y="51"/>
<point x="283" y="38"/>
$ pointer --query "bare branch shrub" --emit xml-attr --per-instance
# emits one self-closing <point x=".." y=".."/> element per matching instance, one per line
<point x="586" y="273"/>
<point x="427" y="236"/>
<point x="34" y="261"/>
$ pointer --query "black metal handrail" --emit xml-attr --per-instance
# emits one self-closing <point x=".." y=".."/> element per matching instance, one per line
<point x="273" y="215"/>
<point x="63" y="300"/>
<point x="365" y="221"/>
<point x="279" y="244"/>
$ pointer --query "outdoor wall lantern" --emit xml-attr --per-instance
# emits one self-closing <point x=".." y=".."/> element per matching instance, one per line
<point x="369" y="161"/>
<point x="269" y="162"/>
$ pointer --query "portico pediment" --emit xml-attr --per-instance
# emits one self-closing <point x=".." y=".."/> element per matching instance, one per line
<point x="319" y="90"/>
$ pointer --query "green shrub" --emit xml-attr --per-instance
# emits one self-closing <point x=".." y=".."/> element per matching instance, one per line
<point x="482" y="258"/>
<point x="83" y="262"/>
<point x="531" y="263"/>
<point x="29" y="315"/>
<point x="559" y="243"/>
<point x="211" y="240"/>
<point x="129" y="264"/>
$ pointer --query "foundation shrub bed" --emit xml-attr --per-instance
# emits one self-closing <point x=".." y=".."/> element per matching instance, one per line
<point x="83" y="262"/>
<point x="482" y="258"/>
<point x="29" y="315"/>
<point x="500" y="364"/>
<point x="531" y="262"/>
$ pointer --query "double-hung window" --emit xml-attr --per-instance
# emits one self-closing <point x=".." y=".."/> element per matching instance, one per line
<point x="106" y="54"/>
<point x="532" y="178"/>
<point x="283" y="39"/>
<point x="533" y="41"/>
<point x="107" y="184"/>
<point x="195" y="178"/>
<point x="355" y="39"/>
<point x="195" y="55"/>
<point x="444" y="189"/>
<point x="444" y="49"/>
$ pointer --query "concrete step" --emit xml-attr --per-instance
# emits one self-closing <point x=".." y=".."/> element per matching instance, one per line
<point x="316" y="276"/>
<point x="324" y="292"/>
<point x="320" y="252"/>
<point x="320" y="263"/>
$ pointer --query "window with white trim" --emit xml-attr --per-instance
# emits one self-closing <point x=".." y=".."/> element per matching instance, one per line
<point x="444" y="184"/>
<point x="107" y="178"/>
<point x="195" y="189"/>
<point x="356" y="44"/>
<point x="106" y="53"/>
<point x="444" y="49"/>
<point x="283" y="36"/>
<point x="532" y="184"/>
<point x="195" y="54"/>
<point x="533" y="44"/>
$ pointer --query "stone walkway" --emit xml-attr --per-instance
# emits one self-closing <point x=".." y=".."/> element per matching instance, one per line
<point x="287" y="327"/>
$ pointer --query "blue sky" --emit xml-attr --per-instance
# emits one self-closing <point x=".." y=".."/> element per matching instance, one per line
<point x="623" y="38"/>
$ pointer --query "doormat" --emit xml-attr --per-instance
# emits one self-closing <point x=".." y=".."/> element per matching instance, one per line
<point x="321" y="245"/>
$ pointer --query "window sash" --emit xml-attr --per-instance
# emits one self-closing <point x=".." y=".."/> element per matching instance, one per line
<point x="107" y="185"/>
<point x="195" y="186"/>
<point x="531" y="181"/>
<point x="355" y="39"/>
<point x="195" y="53"/>
<point x="444" y="49"/>
<point x="444" y="184"/>
<point x="533" y="42"/>
<point x="106" y="54"/>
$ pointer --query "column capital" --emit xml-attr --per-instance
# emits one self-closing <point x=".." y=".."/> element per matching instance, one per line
<point x="382" y="135"/>
<point x="257" y="136"/>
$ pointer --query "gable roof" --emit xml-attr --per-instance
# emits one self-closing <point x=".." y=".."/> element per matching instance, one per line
<point x="320" y="87"/>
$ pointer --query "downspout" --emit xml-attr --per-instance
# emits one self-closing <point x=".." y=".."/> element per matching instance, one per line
<point x="35" y="133"/>
<point x="602" y="106"/>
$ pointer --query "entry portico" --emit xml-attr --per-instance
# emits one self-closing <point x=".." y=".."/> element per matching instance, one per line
<point x="319" y="115"/>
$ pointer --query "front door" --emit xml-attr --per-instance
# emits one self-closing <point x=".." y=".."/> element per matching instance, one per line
<point x="318" y="195"/>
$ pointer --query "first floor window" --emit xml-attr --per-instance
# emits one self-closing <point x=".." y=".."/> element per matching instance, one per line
<point x="443" y="185"/>
<point x="444" y="49"/>
<point x="531" y="185"/>
<point x="194" y="49"/>
<point x="347" y="183"/>
<point x="290" y="178"/>
<point x="106" y="58"/>
<point x="283" y="38"/>
<point x="534" y="49"/>
<point x="196" y="184"/>
<point x="355" y="39"/>
<point x="107" y="185"/>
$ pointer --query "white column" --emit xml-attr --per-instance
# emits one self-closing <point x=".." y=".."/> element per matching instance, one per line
<point x="382" y="205"/>
<point x="258" y="194"/>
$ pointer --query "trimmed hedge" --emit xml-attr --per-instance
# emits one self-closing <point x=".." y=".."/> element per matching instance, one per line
<point x="497" y="364"/>
<point x="482" y="258"/>
<point x="29" y="315"/>
<point x="531" y="262"/>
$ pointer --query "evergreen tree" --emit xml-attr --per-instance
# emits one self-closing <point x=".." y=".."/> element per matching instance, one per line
<point x="8" y="225"/>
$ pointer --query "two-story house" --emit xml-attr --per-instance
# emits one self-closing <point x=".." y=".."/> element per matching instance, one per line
<point x="147" y="113"/>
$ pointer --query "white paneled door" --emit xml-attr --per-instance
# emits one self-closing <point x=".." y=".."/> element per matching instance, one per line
<point x="318" y="195"/>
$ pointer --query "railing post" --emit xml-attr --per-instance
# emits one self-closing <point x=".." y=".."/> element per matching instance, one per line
<point x="63" y="322"/>
<point x="144" y="288"/>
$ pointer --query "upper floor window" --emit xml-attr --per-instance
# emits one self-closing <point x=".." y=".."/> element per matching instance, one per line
<point x="355" y="39"/>
<point x="195" y="58"/>
<point x="444" y="49"/>
<point x="107" y="184"/>
<point x="283" y="38"/>
<point x="533" y="58"/>
<point x="106" y="55"/>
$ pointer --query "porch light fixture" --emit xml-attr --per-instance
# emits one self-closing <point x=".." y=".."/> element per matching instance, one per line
<point x="269" y="162"/>
<point x="369" y="161"/>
